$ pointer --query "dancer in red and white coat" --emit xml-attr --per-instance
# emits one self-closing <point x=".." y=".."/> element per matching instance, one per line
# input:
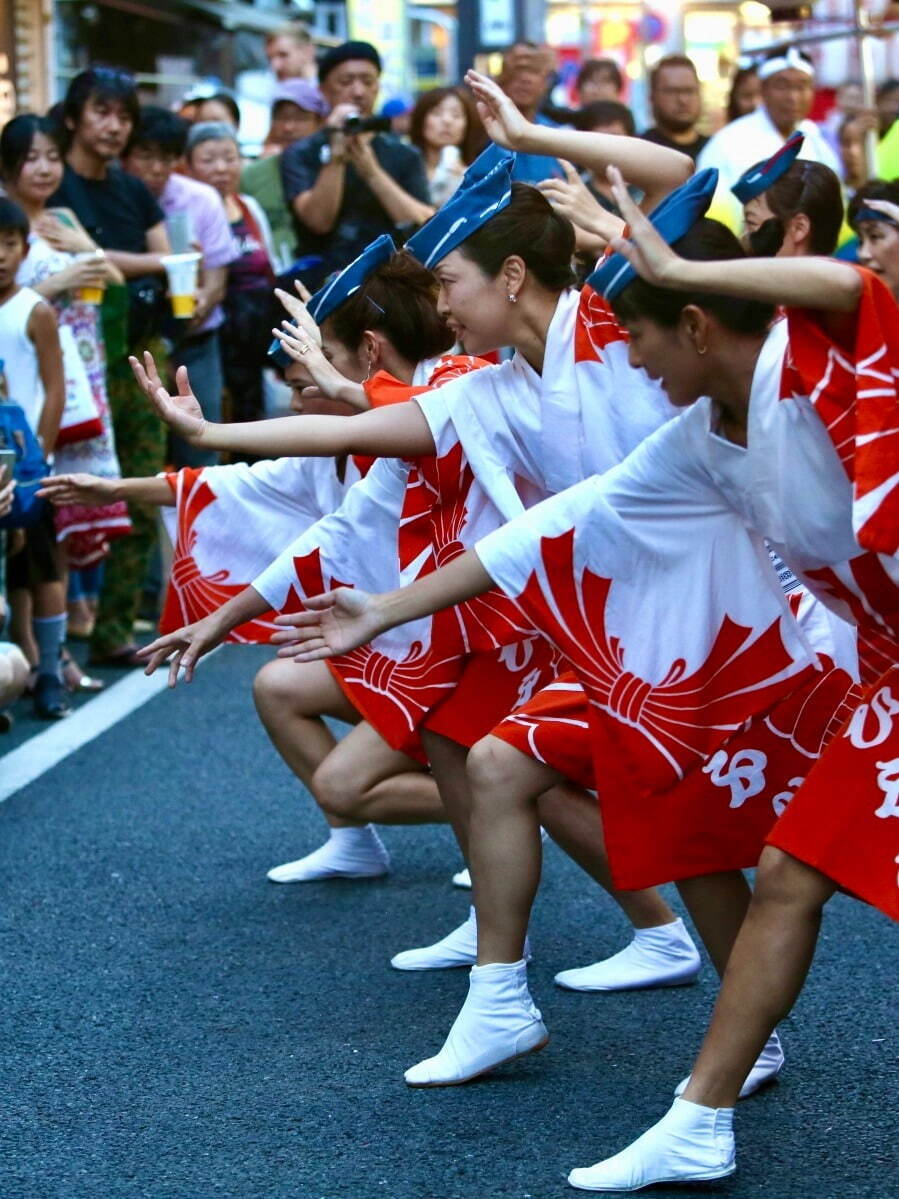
<point x="566" y="405"/>
<point x="790" y="434"/>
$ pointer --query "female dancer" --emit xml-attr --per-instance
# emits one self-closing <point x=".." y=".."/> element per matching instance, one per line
<point x="232" y="521"/>
<point x="792" y="438"/>
<point x="582" y="412"/>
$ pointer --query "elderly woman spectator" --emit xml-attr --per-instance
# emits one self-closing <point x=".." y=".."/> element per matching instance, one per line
<point x="445" y="128"/>
<point x="213" y="157"/>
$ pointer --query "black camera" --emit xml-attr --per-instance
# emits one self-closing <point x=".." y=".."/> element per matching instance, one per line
<point x="365" y="125"/>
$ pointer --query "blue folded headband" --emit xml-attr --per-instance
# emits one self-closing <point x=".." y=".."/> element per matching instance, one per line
<point x="871" y="214"/>
<point x="672" y="218"/>
<point x="464" y="213"/>
<point x="339" y="289"/>
<point x="484" y="164"/>
<point x="761" y="176"/>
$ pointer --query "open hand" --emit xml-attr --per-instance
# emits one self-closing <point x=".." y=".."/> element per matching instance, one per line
<point x="644" y="248"/>
<point x="502" y="121"/>
<point x="334" y="623"/>
<point x="181" y="411"/>
<point x="89" y="490"/>
<point x="572" y="198"/>
<point x="296" y="308"/>
<point x="183" y="648"/>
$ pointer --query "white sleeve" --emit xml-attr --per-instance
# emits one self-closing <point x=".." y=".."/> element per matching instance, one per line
<point x="497" y="421"/>
<point x="356" y="543"/>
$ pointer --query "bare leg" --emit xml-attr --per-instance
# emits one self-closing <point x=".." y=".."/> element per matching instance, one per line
<point x="571" y="817"/>
<point x="363" y="780"/>
<point x="506" y="852"/>
<point x="447" y="760"/>
<point x="718" y="904"/>
<point x="291" y="699"/>
<point x="767" y="969"/>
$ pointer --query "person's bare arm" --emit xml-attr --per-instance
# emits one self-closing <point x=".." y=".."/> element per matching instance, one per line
<point x="819" y="283"/>
<point x="319" y="206"/>
<point x="341" y="620"/>
<point x="397" y="203"/>
<point x="43" y="332"/>
<point x="184" y="648"/>
<point x="93" y="491"/>
<point x="395" y="431"/>
<point x="656" y="170"/>
<point x="148" y="263"/>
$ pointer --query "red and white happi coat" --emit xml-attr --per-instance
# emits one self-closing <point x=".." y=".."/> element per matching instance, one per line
<point x="648" y="581"/>
<point x="229" y="523"/>
<point x="505" y="437"/>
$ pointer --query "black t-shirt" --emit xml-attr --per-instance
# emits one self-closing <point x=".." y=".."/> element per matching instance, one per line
<point x="361" y="217"/>
<point x="661" y="139"/>
<point x="116" y="211"/>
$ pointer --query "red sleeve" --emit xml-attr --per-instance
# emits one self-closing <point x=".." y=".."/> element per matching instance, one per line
<point x="850" y="372"/>
<point x="383" y="388"/>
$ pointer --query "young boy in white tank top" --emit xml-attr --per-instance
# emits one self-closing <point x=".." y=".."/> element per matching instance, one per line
<point x="32" y="365"/>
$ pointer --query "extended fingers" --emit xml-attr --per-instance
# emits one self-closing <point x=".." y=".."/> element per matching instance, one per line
<point x="292" y="620"/>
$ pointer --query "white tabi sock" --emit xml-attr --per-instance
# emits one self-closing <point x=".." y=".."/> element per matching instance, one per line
<point x="768" y="1065"/>
<point x="348" y="853"/>
<point x="457" y="948"/>
<point x="689" y="1144"/>
<point x="498" y="1022"/>
<point x="664" y="956"/>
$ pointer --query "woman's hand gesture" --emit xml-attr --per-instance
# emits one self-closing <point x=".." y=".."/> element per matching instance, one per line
<point x="89" y="490"/>
<point x="644" y="248"/>
<point x="297" y="310"/>
<point x="503" y="122"/>
<point x="572" y="198"/>
<point x="181" y="411"/>
<point x="334" y="623"/>
<point x="61" y="235"/>
<point x="183" y="648"/>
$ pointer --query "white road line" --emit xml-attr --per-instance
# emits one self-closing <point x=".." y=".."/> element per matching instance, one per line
<point x="44" y="751"/>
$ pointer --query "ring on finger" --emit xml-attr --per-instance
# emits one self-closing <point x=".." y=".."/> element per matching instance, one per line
<point x="304" y="348"/>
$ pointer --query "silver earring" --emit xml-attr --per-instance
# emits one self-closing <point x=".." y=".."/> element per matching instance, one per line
<point x="513" y="299"/>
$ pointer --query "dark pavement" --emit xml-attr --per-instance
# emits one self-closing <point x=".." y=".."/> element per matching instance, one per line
<point x="173" y="1025"/>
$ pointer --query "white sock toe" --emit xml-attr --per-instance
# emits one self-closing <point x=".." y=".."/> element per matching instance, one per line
<point x="498" y="1022"/>
<point x="689" y="1144"/>
<point x="348" y="853"/>
<point x="457" y="948"/>
<point x="657" y="957"/>
<point x="768" y="1065"/>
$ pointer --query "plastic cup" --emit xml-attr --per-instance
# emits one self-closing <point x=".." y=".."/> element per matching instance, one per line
<point x="182" y="271"/>
<point x="180" y="229"/>
<point x="94" y="293"/>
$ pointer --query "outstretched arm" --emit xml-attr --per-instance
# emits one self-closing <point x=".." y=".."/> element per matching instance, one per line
<point x="184" y="648"/>
<point x="656" y="170"/>
<point x="820" y="283"/>
<point x="93" y="491"/>
<point x="341" y="620"/>
<point x="397" y="431"/>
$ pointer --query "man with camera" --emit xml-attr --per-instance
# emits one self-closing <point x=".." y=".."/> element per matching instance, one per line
<point x="351" y="181"/>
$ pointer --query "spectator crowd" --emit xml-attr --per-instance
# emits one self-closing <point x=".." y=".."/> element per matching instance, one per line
<point x="108" y="203"/>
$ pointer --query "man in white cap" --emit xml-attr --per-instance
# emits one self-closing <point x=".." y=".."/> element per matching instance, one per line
<point x="788" y="88"/>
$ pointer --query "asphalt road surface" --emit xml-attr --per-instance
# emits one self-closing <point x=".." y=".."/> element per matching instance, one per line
<point x="173" y="1025"/>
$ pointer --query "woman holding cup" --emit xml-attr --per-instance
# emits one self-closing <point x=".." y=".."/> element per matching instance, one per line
<point x="71" y="271"/>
